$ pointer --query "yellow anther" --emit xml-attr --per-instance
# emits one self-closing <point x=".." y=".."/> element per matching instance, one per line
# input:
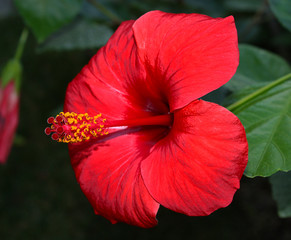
<point x="93" y="133"/>
<point x="78" y="127"/>
<point x="71" y="120"/>
<point x="73" y="128"/>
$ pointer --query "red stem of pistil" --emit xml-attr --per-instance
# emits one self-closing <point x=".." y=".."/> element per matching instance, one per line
<point x="160" y="120"/>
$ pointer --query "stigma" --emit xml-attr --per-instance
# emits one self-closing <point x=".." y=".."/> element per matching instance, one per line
<point x="70" y="127"/>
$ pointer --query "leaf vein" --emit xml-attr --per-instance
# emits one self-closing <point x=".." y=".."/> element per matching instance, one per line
<point x="274" y="130"/>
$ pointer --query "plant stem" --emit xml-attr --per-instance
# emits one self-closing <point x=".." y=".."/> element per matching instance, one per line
<point x="105" y="11"/>
<point x="21" y="44"/>
<point x="260" y="91"/>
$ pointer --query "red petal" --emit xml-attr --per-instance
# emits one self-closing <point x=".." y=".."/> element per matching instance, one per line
<point x="197" y="168"/>
<point x="188" y="55"/>
<point x="108" y="171"/>
<point x="9" y="111"/>
<point x="113" y="82"/>
<point x="98" y="88"/>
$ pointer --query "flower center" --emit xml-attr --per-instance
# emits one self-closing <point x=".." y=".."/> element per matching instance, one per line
<point x="70" y="127"/>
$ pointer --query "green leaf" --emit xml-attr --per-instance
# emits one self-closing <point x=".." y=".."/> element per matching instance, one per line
<point x="265" y="113"/>
<point x="267" y="120"/>
<point x="46" y="16"/>
<point x="81" y="35"/>
<point x="257" y="68"/>
<point x="282" y="10"/>
<point x="281" y="188"/>
<point x="11" y="72"/>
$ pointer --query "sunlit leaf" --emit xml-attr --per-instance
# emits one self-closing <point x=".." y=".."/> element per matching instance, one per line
<point x="281" y="188"/>
<point x="81" y="35"/>
<point x="46" y="16"/>
<point x="282" y="10"/>
<point x="266" y="118"/>
<point x="267" y="121"/>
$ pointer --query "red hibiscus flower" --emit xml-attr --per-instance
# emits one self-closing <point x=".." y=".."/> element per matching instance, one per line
<point x="156" y="142"/>
<point x="9" y="110"/>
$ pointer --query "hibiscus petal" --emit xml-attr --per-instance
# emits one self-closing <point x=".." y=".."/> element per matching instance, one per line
<point x="98" y="86"/>
<point x="187" y="55"/>
<point x="9" y="114"/>
<point x="108" y="171"/>
<point x="196" y="169"/>
<point x="113" y="82"/>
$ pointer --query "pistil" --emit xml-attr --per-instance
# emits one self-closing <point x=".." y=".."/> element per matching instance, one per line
<point x="160" y="120"/>
<point x="71" y="127"/>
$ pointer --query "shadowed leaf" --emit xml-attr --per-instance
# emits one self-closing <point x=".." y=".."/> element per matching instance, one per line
<point x="82" y="35"/>
<point x="282" y="10"/>
<point x="46" y="16"/>
<point x="281" y="187"/>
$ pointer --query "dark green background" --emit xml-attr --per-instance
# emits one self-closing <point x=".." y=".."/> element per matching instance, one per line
<point x="39" y="196"/>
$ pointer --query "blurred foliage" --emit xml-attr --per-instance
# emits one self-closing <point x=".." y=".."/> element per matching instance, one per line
<point x="79" y="35"/>
<point x="46" y="16"/>
<point x="12" y="71"/>
<point x="282" y="10"/>
<point x="281" y="184"/>
<point x="40" y="198"/>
